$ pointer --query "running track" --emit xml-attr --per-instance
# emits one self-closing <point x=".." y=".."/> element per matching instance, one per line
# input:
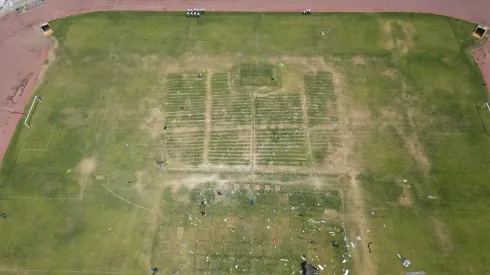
<point x="23" y="50"/>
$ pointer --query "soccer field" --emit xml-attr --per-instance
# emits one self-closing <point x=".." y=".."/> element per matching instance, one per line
<point x="238" y="142"/>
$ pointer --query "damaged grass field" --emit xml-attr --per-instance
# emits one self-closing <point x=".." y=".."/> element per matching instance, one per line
<point x="239" y="142"/>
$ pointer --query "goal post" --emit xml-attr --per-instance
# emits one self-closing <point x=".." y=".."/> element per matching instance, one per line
<point x="36" y="98"/>
<point x="486" y="105"/>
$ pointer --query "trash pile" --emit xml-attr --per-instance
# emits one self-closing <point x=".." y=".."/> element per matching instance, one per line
<point x="194" y="13"/>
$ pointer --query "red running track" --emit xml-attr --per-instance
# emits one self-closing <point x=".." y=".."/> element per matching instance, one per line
<point x="23" y="50"/>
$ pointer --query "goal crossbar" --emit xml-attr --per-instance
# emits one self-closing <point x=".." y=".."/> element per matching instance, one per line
<point x="36" y="98"/>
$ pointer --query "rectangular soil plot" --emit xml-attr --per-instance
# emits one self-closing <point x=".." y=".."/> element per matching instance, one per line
<point x="278" y="109"/>
<point x="256" y="74"/>
<point x="184" y="147"/>
<point x="323" y="143"/>
<point x="320" y="97"/>
<point x="230" y="147"/>
<point x="284" y="147"/>
<point x="184" y="100"/>
<point x="230" y="107"/>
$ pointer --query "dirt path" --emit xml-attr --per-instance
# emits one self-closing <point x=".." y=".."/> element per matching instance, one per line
<point x="208" y="114"/>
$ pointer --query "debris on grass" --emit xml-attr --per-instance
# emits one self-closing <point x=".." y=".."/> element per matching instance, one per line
<point x="406" y="262"/>
<point x="68" y="171"/>
<point x="431" y="197"/>
<point x="252" y="202"/>
<point x="358" y="238"/>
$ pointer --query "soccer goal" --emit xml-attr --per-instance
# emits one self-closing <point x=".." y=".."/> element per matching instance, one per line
<point x="486" y="105"/>
<point x="36" y="98"/>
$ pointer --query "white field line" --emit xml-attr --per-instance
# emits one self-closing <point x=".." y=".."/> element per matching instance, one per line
<point x="125" y="200"/>
<point x="41" y="198"/>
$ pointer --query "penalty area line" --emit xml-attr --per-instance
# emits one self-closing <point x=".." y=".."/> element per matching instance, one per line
<point x="125" y="200"/>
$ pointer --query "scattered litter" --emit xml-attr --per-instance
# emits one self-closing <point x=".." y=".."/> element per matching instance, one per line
<point x="303" y="258"/>
<point x="127" y="145"/>
<point x="273" y="240"/>
<point x="353" y="245"/>
<point x="431" y="197"/>
<point x="323" y="33"/>
<point x="3" y="216"/>
<point x="334" y="124"/>
<point x="219" y="193"/>
<point x="344" y="261"/>
<point x="358" y="238"/>
<point x="203" y="213"/>
<point x="405" y="180"/>
<point x="284" y="260"/>
<point x="225" y="220"/>
<point x="331" y="233"/>
<point x="68" y="171"/>
<point x="153" y="270"/>
<point x="372" y="212"/>
<point x="110" y="229"/>
<point x="233" y="230"/>
<point x="335" y="244"/>
<point x="405" y="261"/>
<point x="252" y="202"/>
<point x="320" y="267"/>
<point x="369" y="246"/>
<point x="313" y="221"/>
<point x="384" y="225"/>
<point x="346" y="272"/>
<point x="281" y="64"/>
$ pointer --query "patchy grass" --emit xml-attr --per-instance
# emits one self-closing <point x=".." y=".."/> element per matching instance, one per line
<point x="84" y="190"/>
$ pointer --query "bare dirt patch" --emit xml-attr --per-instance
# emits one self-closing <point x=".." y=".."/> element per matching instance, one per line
<point x="87" y="166"/>
<point x="400" y="38"/>
<point x="415" y="147"/>
<point x="85" y="170"/>
<point x="395" y="119"/>
<point x="50" y="59"/>
<point x="391" y="73"/>
<point x="406" y="196"/>
<point x="331" y="213"/>
<point x="442" y="234"/>
<point x="387" y="39"/>
<point x="358" y="60"/>
<point x="154" y="123"/>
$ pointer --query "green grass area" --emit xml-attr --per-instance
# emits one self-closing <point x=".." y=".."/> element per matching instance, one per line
<point x="336" y="125"/>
